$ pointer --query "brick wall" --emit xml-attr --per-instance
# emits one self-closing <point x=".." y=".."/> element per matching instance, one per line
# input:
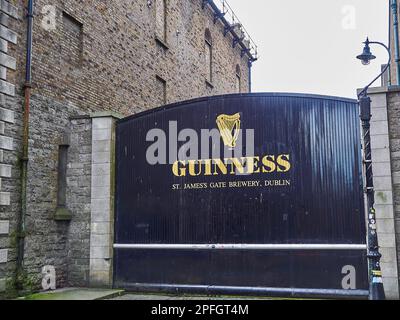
<point x="88" y="56"/>
<point x="121" y="58"/>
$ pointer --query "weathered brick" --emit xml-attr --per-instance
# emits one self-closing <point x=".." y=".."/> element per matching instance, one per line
<point x="7" y="88"/>
<point x="3" y="73"/>
<point x="10" y="9"/>
<point x="7" y="34"/>
<point x="7" y="61"/>
<point x="3" y="46"/>
<point x="100" y="56"/>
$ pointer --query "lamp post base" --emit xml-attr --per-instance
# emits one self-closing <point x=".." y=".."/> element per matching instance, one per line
<point x="376" y="291"/>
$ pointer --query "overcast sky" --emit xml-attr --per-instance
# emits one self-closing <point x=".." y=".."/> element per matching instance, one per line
<point x="309" y="46"/>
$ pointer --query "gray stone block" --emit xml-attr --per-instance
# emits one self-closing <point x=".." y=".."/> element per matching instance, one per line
<point x="7" y="115"/>
<point x="5" y="199"/>
<point x="379" y="114"/>
<point x="379" y="127"/>
<point x="10" y="9"/>
<point x="100" y="278"/>
<point x="382" y="169"/>
<point x="102" y="123"/>
<point x="387" y="240"/>
<point x="101" y="134"/>
<point x="100" y="227"/>
<point x="5" y="170"/>
<point x="102" y="169"/>
<point x="101" y="157"/>
<point x="380" y="155"/>
<point x="100" y="240"/>
<point x="101" y="192"/>
<point x="100" y="252"/>
<point x="8" y="61"/>
<point x="7" y="88"/>
<point x="4" y="227"/>
<point x="101" y="181"/>
<point x="2" y="127"/>
<point x="385" y="226"/>
<point x="101" y="146"/>
<point x="388" y="254"/>
<point x="8" y="34"/>
<point x="380" y="142"/>
<point x="99" y="265"/>
<point x="383" y="183"/>
<point x="3" y="73"/>
<point x="3" y="255"/>
<point x="378" y="100"/>
<point x="4" y="19"/>
<point x="101" y="215"/>
<point x="384" y="198"/>
<point x="384" y="211"/>
<point x="3" y="46"/>
<point x="389" y="269"/>
<point x="1" y="155"/>
<point x="6" y="143"/>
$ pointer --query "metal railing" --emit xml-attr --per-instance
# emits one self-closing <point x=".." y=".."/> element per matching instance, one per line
<point x="233" y="25"/>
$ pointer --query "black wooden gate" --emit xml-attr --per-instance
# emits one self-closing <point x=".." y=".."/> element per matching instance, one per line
<point x="288" y="219"/>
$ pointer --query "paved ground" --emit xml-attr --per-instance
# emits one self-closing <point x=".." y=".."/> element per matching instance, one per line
<point x="100" y="294"/>
<point x="75" y="294"/>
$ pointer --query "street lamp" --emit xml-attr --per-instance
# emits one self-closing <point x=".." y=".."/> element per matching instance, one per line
<point x="376" y="290"/>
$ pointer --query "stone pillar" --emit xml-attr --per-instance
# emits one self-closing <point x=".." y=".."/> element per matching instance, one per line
<point x="102" y="199"/>
<point x="384" y="192"/>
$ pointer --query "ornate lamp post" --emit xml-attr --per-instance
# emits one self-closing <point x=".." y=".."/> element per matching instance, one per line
<point x="376" y="285"/>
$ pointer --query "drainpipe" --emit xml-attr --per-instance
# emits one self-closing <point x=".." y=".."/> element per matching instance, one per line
<point x="25" y="141"/>
<point x="396" y="39"/>
<point x="389" y="84"/>
<point x="250" y="64"/>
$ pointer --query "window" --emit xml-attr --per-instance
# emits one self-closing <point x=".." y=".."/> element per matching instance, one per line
<point x="62" y="213"/>
<point x="161" y="19"/>
<point x="208" y="55"/>
<point x="71" y="40"/>
<point x="238" y="80"/>
<point x="161" y="91"/>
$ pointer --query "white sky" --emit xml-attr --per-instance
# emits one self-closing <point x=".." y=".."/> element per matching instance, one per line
<point x="309" y="46"/>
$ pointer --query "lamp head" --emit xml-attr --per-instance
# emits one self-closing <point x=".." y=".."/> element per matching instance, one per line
<point x="366" y="56"/>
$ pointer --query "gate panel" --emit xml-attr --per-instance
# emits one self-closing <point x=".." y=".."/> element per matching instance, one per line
<point x="317" y="201"/>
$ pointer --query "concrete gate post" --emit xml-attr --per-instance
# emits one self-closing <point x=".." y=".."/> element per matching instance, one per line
<point x="102" y="199"/>
<point x="383" y="134"/>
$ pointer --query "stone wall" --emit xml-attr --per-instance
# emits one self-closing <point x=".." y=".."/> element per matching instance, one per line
<point x="49" y="242"/>
<point x="78" y="200"/>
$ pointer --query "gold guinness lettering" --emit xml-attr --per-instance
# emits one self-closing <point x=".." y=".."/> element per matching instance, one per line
<point x="233" y="166"/>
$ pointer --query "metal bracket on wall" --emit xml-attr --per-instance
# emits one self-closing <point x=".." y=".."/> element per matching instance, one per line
<point x="203" y="5"/>
<point x="218" y="15"/>
<point x="236" y="41"/>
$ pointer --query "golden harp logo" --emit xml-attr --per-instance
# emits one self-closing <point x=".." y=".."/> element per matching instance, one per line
<point x="229" y="128"/>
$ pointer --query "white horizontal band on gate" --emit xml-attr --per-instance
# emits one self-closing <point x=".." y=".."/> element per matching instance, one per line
<point x="243" y="246"/>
